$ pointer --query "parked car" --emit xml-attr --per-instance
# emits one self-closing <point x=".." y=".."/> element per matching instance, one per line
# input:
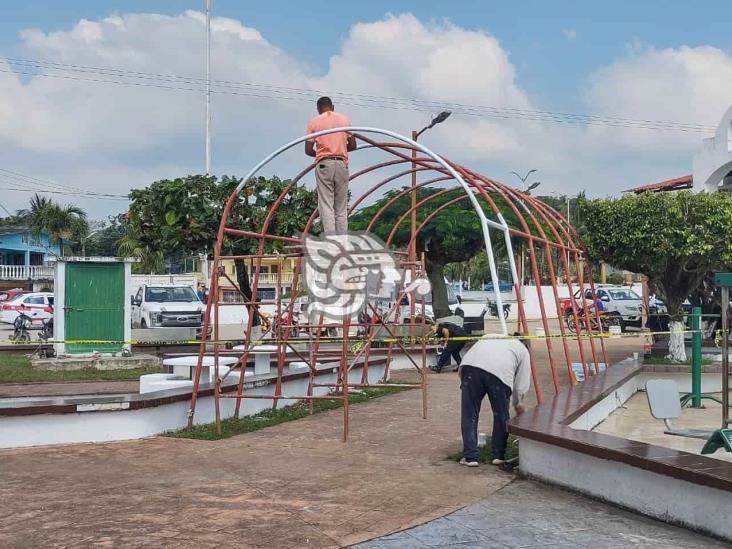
<point x="7" y="295"/>
<point x="166" y="306"/>
<point x="38" y="306"/>
<point x="617" y="301"/>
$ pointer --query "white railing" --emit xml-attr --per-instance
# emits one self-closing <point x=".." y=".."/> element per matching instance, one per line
<point x="271" y="278"/>
<point x="26" y="272"/>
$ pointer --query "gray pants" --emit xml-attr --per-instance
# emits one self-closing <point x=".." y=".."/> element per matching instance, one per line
<point x="331" y="176"/>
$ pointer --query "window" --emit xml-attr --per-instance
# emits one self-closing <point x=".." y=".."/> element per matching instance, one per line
<point x="624" y="295"/>
<point x="231" y="296"/>
<point x="163" y="294"/>
<point x="35" y="300"/>
<point x="50" y="301"/>
<point x="266" y="294"/>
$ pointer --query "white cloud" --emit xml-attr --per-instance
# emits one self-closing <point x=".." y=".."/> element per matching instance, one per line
<point x="683" y="84"/>
<point x="569" y="34"/>
<point x="109" y="138"/>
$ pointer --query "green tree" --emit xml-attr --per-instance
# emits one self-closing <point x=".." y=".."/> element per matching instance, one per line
<point x="179" y="217"/>
<point x="675" y="239"/>
<point x="452" y="236"/>
<point x="65" y="224"/>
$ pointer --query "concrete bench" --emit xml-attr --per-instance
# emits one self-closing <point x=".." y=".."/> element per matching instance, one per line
<point x="262" y="356"/>
<point x="184" y="366"/>
<point x="150" y="383"/>
<point x="299" y="365"/>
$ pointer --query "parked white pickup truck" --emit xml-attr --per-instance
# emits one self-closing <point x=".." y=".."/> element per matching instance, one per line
<point x="166" y="306"/>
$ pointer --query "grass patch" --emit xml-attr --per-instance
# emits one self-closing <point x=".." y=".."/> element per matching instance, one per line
<point x="232" y="426"/>
<point x="18" y="369"/>
<point x="484" y="456"/>
<point x="667" y="361"/>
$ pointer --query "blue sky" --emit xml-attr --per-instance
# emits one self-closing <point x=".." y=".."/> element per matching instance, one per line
<point x="533" y="31"/>
<point x="651" y="59"/>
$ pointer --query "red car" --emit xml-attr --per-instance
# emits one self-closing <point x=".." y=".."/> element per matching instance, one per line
<point x="37" y="305"/>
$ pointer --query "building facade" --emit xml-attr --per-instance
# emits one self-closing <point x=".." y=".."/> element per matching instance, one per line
<point x="24" y="258"/>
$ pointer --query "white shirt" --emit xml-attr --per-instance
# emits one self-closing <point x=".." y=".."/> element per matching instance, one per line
<point x="507" y="359"/>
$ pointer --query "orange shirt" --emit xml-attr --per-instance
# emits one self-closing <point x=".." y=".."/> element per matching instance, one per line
<point x="333" y="144"/>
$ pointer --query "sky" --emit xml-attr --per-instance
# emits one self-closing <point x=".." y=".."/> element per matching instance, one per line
<point x="651" y="60"/>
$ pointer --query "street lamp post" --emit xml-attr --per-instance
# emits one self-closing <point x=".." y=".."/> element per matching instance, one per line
<point x="526" y="189"/>
<point x="412" y="252"/>
<point x="567" y="198"/>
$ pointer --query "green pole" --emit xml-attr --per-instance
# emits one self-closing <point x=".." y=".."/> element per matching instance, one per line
<point x="696" y="357"/>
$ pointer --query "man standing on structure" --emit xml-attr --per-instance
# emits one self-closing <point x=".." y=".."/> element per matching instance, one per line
<point x="501" y="369"/>
<point x="331" y="166"/>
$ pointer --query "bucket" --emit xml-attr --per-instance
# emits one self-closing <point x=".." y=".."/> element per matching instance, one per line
<point x="615" y="331"/>
<point x="539" y="332"/>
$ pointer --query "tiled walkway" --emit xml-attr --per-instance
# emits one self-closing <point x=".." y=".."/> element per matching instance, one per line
<point x="532" y="515"/>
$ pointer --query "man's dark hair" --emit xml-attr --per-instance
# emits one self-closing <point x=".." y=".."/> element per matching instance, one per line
<point x="324" y="103"/>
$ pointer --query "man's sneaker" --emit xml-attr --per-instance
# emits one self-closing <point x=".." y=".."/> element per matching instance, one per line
<point x="497" y="461"/>
<point x="468" y="462"/>
<point x="435" y="369"/>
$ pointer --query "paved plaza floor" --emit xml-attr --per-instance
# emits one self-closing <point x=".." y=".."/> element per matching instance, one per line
<point x="531" y="515"/>
<point x="297" y="485"/>
<point x="634" y="421"/>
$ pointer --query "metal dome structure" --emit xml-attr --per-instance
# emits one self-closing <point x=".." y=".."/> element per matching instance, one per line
<point x="542" y="231"/>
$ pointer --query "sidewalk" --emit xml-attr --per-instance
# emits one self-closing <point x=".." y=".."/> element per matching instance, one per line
<point x="292" y="485"/>
<point x="531" y="515"/>
<point x="68" y="388"/>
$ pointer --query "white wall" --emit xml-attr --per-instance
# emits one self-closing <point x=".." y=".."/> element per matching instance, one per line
<point x="116" y="422"/>
<point x="660" y="496"/>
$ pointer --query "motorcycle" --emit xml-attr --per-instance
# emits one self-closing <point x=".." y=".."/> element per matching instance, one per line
<point x="21" y="327"/>
<point x="46" y="332"/>
<point x="492" y="308"/>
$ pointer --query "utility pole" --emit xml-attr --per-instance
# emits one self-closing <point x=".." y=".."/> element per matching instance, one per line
<point x="208" y="87"/>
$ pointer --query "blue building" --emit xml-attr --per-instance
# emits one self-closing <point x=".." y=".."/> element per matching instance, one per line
<point x="23" y="257"/>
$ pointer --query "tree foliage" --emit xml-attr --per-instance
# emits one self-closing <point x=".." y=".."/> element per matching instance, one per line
<point x="674" y="239"/>
<point x="453" y="235"/>
<point x="179" y="217"/>
<point x="64" y="224"/>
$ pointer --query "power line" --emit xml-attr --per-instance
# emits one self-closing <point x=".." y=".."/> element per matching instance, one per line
<point x="35" y="180"/>
<point x="228" y="87"/>
<point x="41" y="185"/>
<point x="98" y="197"/>
<point x="238" y="84"/>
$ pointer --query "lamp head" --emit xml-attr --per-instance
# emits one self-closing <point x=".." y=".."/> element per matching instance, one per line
<point x="440" y="118"/>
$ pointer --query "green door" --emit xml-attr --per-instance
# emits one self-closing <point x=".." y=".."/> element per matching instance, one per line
<point x="94" y="307"/>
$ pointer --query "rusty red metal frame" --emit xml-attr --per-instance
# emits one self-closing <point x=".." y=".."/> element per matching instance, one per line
<point x="542" y="230"/>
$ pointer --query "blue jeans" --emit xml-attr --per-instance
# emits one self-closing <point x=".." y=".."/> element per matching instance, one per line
<point x="476" y="383"/>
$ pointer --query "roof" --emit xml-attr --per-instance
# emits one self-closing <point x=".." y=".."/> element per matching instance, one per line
<point x="14" y="229"/>
<point x="684" y="182"/>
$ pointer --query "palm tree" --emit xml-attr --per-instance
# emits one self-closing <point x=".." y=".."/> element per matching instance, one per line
<point x="130" y="245"/>
<point x="60" y="223"/>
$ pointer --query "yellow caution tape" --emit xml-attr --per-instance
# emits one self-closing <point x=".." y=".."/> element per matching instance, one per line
<point x="412" y="340"/>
